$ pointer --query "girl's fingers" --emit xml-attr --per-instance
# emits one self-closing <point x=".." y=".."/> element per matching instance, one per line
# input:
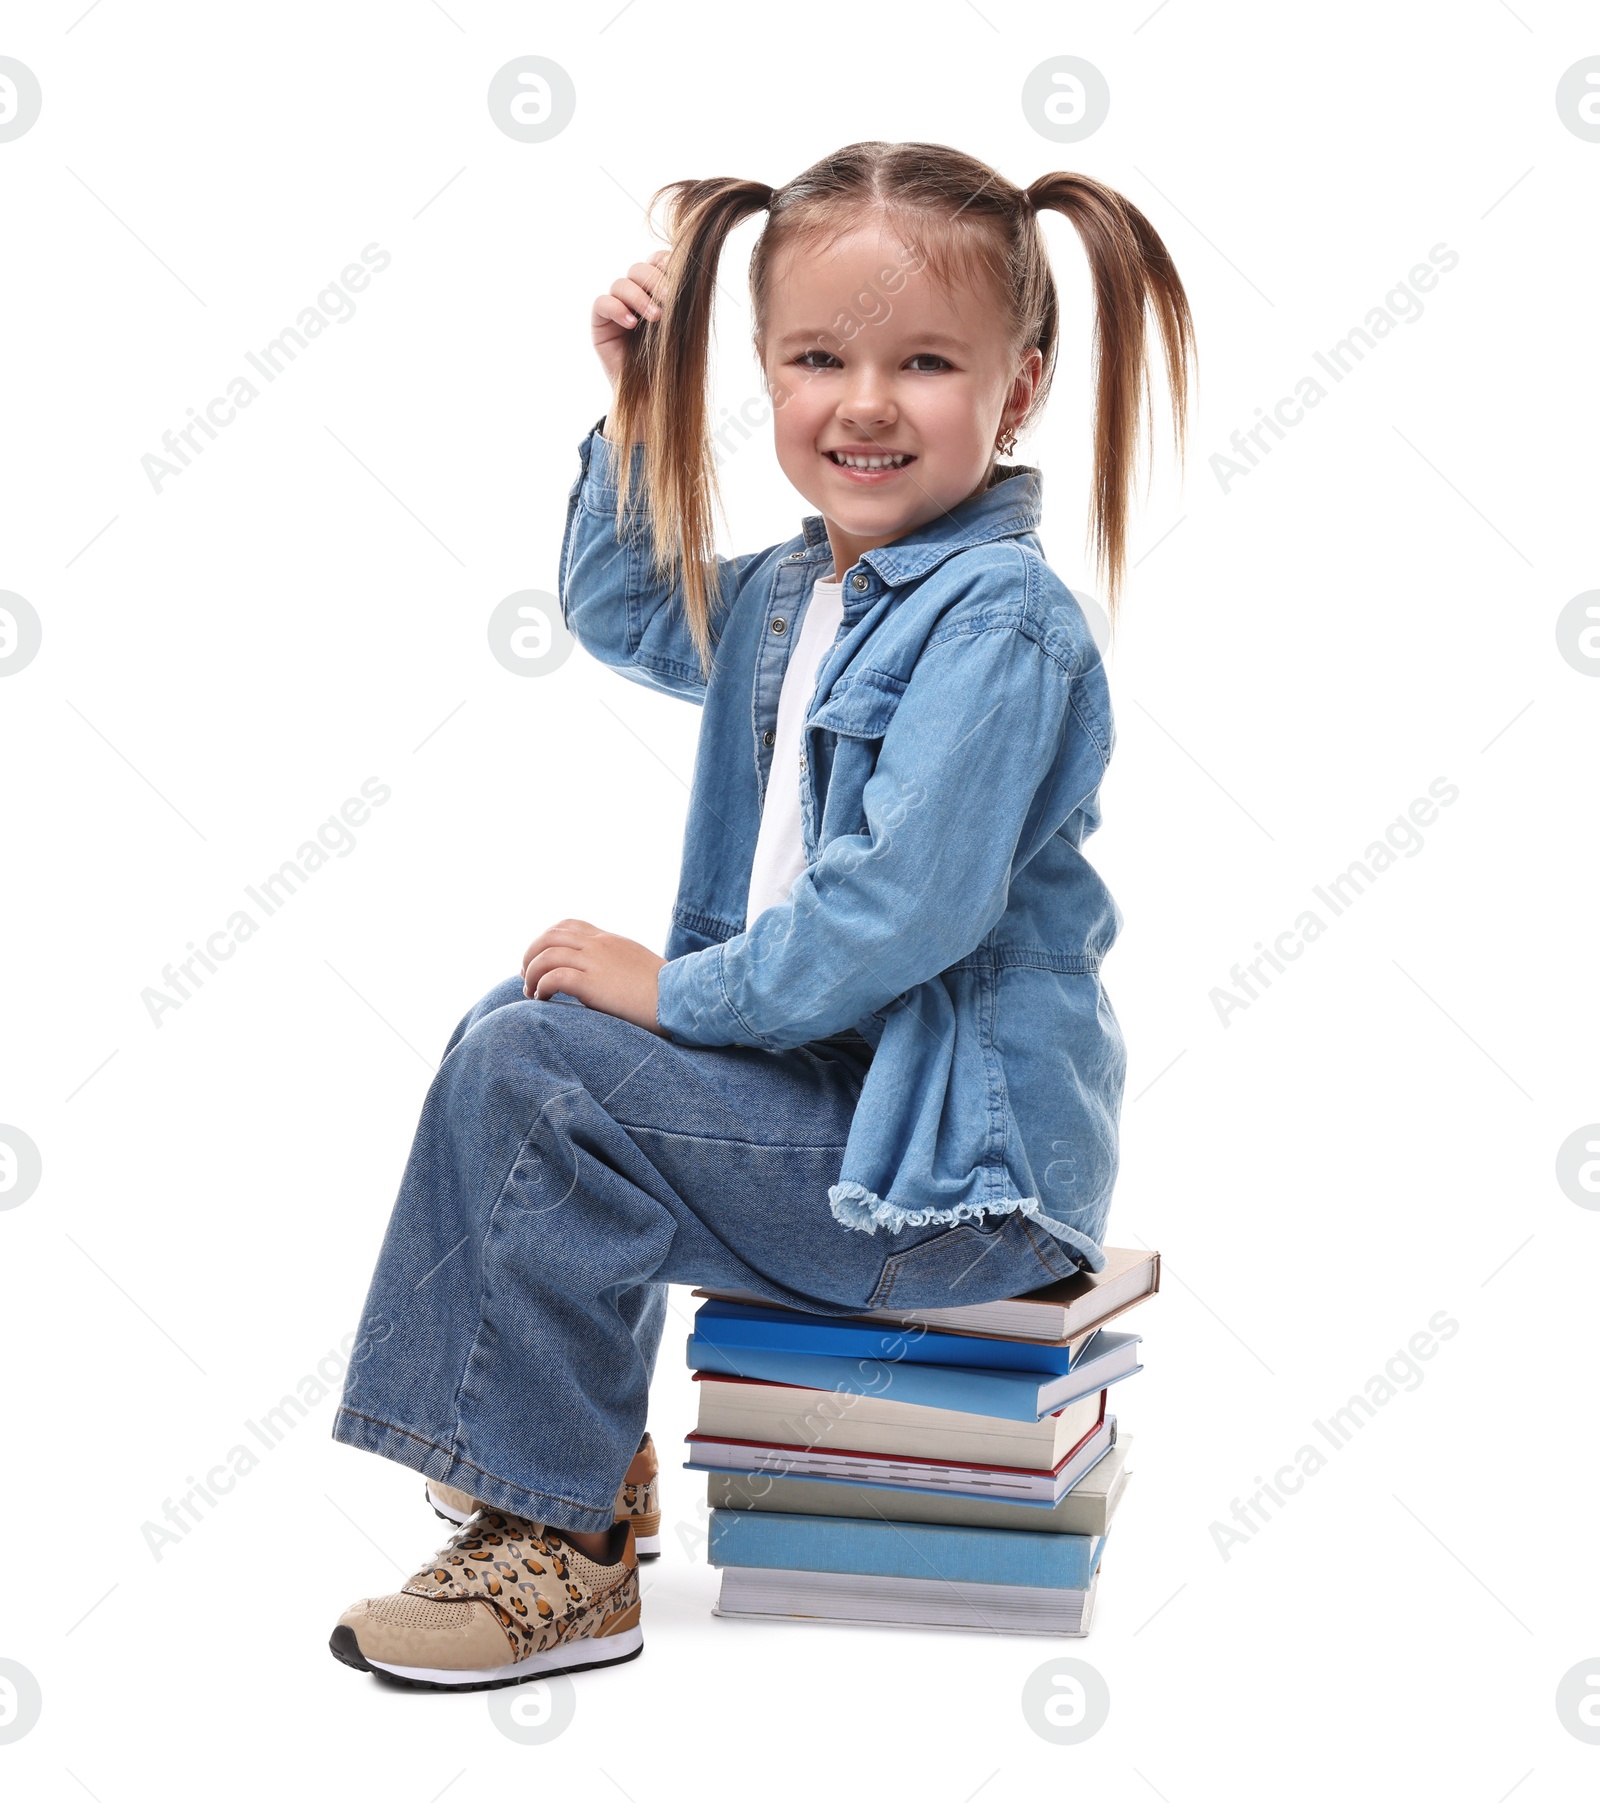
<point x="565" y="938"/>
<point x="539" y="945"/>
<point x="558" y="976"/>
<point x="542" y="961"/>
<point x="540" y="967"/>
<point x="608" y="309"/>
<point x="539" y="955"/>
<point x="639" y="298"/>
<point x="632" y="295"/>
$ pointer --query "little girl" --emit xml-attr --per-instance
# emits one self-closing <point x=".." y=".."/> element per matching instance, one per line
<point x="877" y="1066"/>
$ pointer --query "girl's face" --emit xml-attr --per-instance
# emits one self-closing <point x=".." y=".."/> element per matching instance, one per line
<point x="871" y="361"/>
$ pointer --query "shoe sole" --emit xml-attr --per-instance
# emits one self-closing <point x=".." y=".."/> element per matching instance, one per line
<point x="646" y="1547"/>
<point x="554" y="1662"/>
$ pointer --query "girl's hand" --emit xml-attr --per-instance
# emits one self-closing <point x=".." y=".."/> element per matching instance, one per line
<point x="603" y="970"/>
<point x="617" y="313"/>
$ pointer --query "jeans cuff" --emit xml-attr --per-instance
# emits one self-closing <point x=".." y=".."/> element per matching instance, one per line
<point x="434" y="1461"/>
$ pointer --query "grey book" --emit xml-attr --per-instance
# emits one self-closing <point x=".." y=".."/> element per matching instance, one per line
<point x="1086" y="1509"/>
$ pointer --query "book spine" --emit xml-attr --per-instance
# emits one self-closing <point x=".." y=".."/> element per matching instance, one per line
<point x="792" y="1495"/>
<point x="1006" y="1395"/>
<point x="718" y="1324"/>
<point x="901" y="1549"/>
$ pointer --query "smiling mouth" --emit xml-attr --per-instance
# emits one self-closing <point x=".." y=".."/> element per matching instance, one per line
<point x="885" y="460"/>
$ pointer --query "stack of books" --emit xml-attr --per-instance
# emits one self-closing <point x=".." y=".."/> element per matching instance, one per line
<point x="942" y="1467"/>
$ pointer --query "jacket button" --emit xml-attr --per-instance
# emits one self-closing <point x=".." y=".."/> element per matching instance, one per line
<point x="767" y="738"/>
<point x="858" y="582"/>
<point x="780" y="625"/>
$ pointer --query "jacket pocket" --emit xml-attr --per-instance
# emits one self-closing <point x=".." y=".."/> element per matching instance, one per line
<point x="842" y="739"/>
<point x="859" y="706"/>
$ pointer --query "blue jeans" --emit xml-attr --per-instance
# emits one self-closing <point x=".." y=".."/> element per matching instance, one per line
<point x="567" y="1167"/>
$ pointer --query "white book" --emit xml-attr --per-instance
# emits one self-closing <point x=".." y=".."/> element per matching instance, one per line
<point x="768" y="1593"/>
<point x="743" y="1409"/>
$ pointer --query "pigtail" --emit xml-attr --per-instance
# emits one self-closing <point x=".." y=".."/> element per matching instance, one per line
<point x="1131" y="269"/>
<point x="662" y="395"/>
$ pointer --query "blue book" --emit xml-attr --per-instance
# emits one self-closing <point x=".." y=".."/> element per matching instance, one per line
<point x="1011" y="1395"/>
<point x="786" y="1330"/>
<point x="903" y="1549"/>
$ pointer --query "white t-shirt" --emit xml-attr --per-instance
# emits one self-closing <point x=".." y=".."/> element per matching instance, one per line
<point x="780" y="850"/>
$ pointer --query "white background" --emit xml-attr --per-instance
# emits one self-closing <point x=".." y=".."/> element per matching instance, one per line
<point x="1371" y="1141"/>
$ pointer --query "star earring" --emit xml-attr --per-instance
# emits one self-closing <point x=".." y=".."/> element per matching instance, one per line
<point x="1006" y="443"/>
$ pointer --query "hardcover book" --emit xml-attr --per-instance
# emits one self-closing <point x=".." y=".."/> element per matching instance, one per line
<point x="737" y="1324"/>
<point x="1086" y="1509"/>
<point x="902" y="1549"/>
<point x="973" y="1390"/>
<point x="767" y="1459"/>
<point x="1056" y="1313"/>
<point x="827" y="1596"/>
<point x="743" y="1408"/>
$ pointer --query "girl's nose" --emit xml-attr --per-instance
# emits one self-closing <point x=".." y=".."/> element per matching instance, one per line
<point x="870" y="406"/>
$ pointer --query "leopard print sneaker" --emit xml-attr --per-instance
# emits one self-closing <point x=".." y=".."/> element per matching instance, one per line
<point x="506" y="1601"/>
<point x="638" y="1500"/>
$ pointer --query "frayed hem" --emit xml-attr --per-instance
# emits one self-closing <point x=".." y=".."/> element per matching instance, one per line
<point x="855" y="1206"/>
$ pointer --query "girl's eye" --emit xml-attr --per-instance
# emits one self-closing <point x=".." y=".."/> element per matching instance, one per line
<point x="804" y="359"/>
<point x="928" y="357"/>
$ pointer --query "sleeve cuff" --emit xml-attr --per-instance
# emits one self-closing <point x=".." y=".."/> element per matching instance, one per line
<point x="692" y="1006"/>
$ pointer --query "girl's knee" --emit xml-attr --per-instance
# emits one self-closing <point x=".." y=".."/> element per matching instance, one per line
<point x="510" y="990"/>
<point x="516" y="1047"/>
<point x="503" y="993"/>
<point x="520" y="1055"/>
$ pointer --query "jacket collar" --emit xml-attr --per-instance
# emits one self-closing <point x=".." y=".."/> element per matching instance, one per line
<point x="1009" y="506"/>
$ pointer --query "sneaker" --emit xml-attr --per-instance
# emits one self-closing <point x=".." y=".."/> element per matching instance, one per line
<point x="506" y="1601"/>
<point x="638" y="1500"/>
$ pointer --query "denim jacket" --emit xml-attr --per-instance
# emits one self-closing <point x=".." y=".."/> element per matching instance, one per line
<point x="952" y="756"/>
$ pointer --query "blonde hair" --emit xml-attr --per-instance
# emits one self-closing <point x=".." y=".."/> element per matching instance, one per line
<point x="961" y="218"/>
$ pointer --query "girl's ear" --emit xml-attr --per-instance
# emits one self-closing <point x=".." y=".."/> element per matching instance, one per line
<point x="1023" y="386"/>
